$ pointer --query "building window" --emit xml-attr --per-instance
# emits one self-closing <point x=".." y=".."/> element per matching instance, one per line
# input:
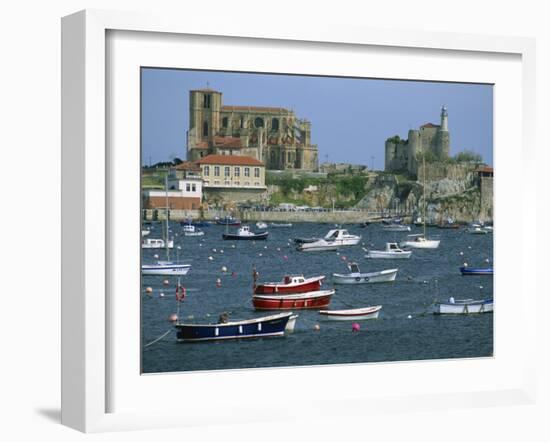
<point x="247" y="183"/>
<point x="236" y="183"/>
<point x="206" y="102"/>
<point x="237" y="171"/>
<point x="188" y="187"/>
<point x="242" y="122"/>
<point x="227" y="183"/>
<point x="193" y="187"/>
<point x="259" y="122"/>
<point x="247" y="171"/>
<point x="225" y="122"/>
<point x="226" y="171"/>
<point x="275" y="124"/>
<point x="288" y="157"/>
<point x="206" y="170"/>
<point x="216" y="182"/>
<point x="257" y="184"/>
<point x="205" y="129"/>
<point x="256" y="172"/>
<point x="216" y="170"/>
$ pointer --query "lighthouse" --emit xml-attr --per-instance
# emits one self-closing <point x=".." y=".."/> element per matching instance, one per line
<point x="444" y="116"/>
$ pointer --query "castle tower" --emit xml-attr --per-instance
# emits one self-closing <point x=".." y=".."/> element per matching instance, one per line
<point x="413" y="146"/>
<point x="443" y="138"/>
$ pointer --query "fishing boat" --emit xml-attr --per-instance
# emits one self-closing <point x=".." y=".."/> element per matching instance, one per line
<point x="164" y="267"/>
<point x="464" y="307"/>
<point x="342" y="237"/>
<point x="419" y="241"/>
<point x="290" y="284"/>
<point x="467" y="271"/>
<point x="392" y="251"/>
<point x="244" y="233"/>
<point x="355" y="276"/>
<point x="281" y="224"/>
<point x="266" y="326"/>
<point x="355" y="314"/>
<point x="228" y="221"/>
<point x="191" y="230"/>
<point x="156" y="243"/>
<point x="261" y="225"/>
<point x="319" y="245"/>
<point x="309" y="300"/>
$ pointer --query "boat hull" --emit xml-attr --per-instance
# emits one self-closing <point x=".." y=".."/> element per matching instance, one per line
<point x="380" y="254"/>
<point x="269" y="326"/>
<point x="255" y="237"/>
<point x="427" y="244"/>
<point x="311" y="300"/>
<point x="175" y="269"/>
<point x="365" y="278"/>
<point x="311" y="285"/>
<point x="464" y="308"/>
<point x="476" y="272"/>
<point x="359" y="314"/>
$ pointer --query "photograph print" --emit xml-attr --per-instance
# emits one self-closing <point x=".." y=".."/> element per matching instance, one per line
<point x="299" y="220"/>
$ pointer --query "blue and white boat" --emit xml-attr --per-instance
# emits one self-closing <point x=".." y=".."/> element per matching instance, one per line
<point x="466" y="271"/>
<point x="266" y="326"/>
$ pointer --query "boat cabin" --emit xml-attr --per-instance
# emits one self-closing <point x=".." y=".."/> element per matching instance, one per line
<point x="152" y="242"/>
<point x="296" y="279"/>
<point x="392" y="247"/>
<point x="337" y="233"/>
<point x="353" y="267"/>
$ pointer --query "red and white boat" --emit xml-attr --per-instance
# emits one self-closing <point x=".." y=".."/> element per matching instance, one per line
<point x="290" y="284"/>
<point x="356" y="314"/>
<point x="310" y="300"/>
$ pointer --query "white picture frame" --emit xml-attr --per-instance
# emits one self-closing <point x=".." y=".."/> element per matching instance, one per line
<point x="88" y="169"/>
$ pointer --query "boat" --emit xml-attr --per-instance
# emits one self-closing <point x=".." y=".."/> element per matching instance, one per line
<point x="392" y="251"/>
<point x="261" y="225"/>
<point x="309" y="300"/>
<point x="197" y="223"/>
<point x="319" y="245"/>
<point x="290" y="284"/>
<point x="356" y="277"/>
<point x="342" y="237"/>
<point x="478" y="229"/>
<point x="164" y="267"/>
<point x="391" y="221"/>
<point x="244" y="233"/>
<point x="448" y="225"/>
<point x="145" y="232"/>
<point x="305" y="240"/>
<point x="228" y="221"/>
<point x="156" y="243"/>
<point x="419" y="241"/>
<point x="354" y="314"/>
<point x="190" y="230"/>
<point x="464" y="307"/>
<point x="396" y="228"/>
<point x="418" y="222"/>
<point x="291" y="324"/>
<point x="364" y="224"/>
<point x="466" y="271"/>
<point x="281" y="224"/>
<point x="266" y="326"/>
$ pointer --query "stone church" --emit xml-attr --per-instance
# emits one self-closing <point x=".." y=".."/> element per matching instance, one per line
<point x="402" y="155"/>
<point x="272" y="135"/>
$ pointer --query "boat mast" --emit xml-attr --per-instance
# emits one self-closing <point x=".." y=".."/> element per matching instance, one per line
<point x="424" y="191"/>
<point x="166" y="216"/>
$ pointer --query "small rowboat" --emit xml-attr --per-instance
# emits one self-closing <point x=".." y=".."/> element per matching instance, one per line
<point x="244" y="233"/>
<point x="267" y="326"/>
<point x="290" y="284"/>
<point x="464" y="307"/>
<point x="165" y="268"/>
<point x="309" y="300"/>
<point x="356" y="277"/>
<point x="356" y="314"/>
<point x="466" y="271"/>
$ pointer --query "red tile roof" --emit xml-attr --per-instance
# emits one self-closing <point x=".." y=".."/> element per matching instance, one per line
<point x="235" y="160"/>
<point x="187" y="165"/>
<point x="430" y="125"/>
<point x="485" y="169"/>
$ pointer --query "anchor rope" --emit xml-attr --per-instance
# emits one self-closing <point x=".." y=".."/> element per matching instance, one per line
<point x="158" y="339"/>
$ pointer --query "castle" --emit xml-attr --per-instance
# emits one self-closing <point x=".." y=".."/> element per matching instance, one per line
<point x="402" y="155"/>
<point x="272" y="135"/>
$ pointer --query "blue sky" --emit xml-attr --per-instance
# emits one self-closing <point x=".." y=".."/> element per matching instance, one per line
<point x="350" y="117"/>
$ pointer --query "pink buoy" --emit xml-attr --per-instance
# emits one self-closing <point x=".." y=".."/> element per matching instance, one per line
<point x="173" y="317"/>
<point x="285" y="257"/>
<point x="355" y="327"/>
<point x="218" y="282"/>
<point x="344" y="258"/>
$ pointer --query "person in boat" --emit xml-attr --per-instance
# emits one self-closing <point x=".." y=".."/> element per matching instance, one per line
<point x="223" y="318"/>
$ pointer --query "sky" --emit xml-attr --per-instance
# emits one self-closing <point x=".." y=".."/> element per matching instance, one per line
<point x="350" y="117"/>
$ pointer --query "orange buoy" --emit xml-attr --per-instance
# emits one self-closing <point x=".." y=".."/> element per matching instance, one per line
<point x="149" y="290"/>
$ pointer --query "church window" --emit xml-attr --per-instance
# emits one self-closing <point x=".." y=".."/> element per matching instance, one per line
<point x="242" y="122"/>
<point x="259" y="122"/>
<point x="205" y="129"/>
<point x="206" y="102"/>
<point x="275" y="124"/>
<point x="225" y="122"/>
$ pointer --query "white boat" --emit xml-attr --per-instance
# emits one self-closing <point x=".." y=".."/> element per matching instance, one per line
<point x="145" y="232"/>
<point x="396" y="228"/>
<point x="419" y="241"/>
<point x="281" y="224"/>
<point x="190" y="230"/>
<point x="464" y="306"/>
<point x="392" y="251"/>
<point x="477" y="229"/>
<point x="289" y="328"/>
<point x="356" y="277"/>
<point x="156" y="243"/>
<point x="261" y="225"/>
<point x="319" y="245"/>
<point x="342" y="237"/>
<point x="355" y="314"/>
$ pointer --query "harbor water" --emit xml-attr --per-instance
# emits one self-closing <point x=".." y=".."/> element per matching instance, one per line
<point x="406" y="328"/>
